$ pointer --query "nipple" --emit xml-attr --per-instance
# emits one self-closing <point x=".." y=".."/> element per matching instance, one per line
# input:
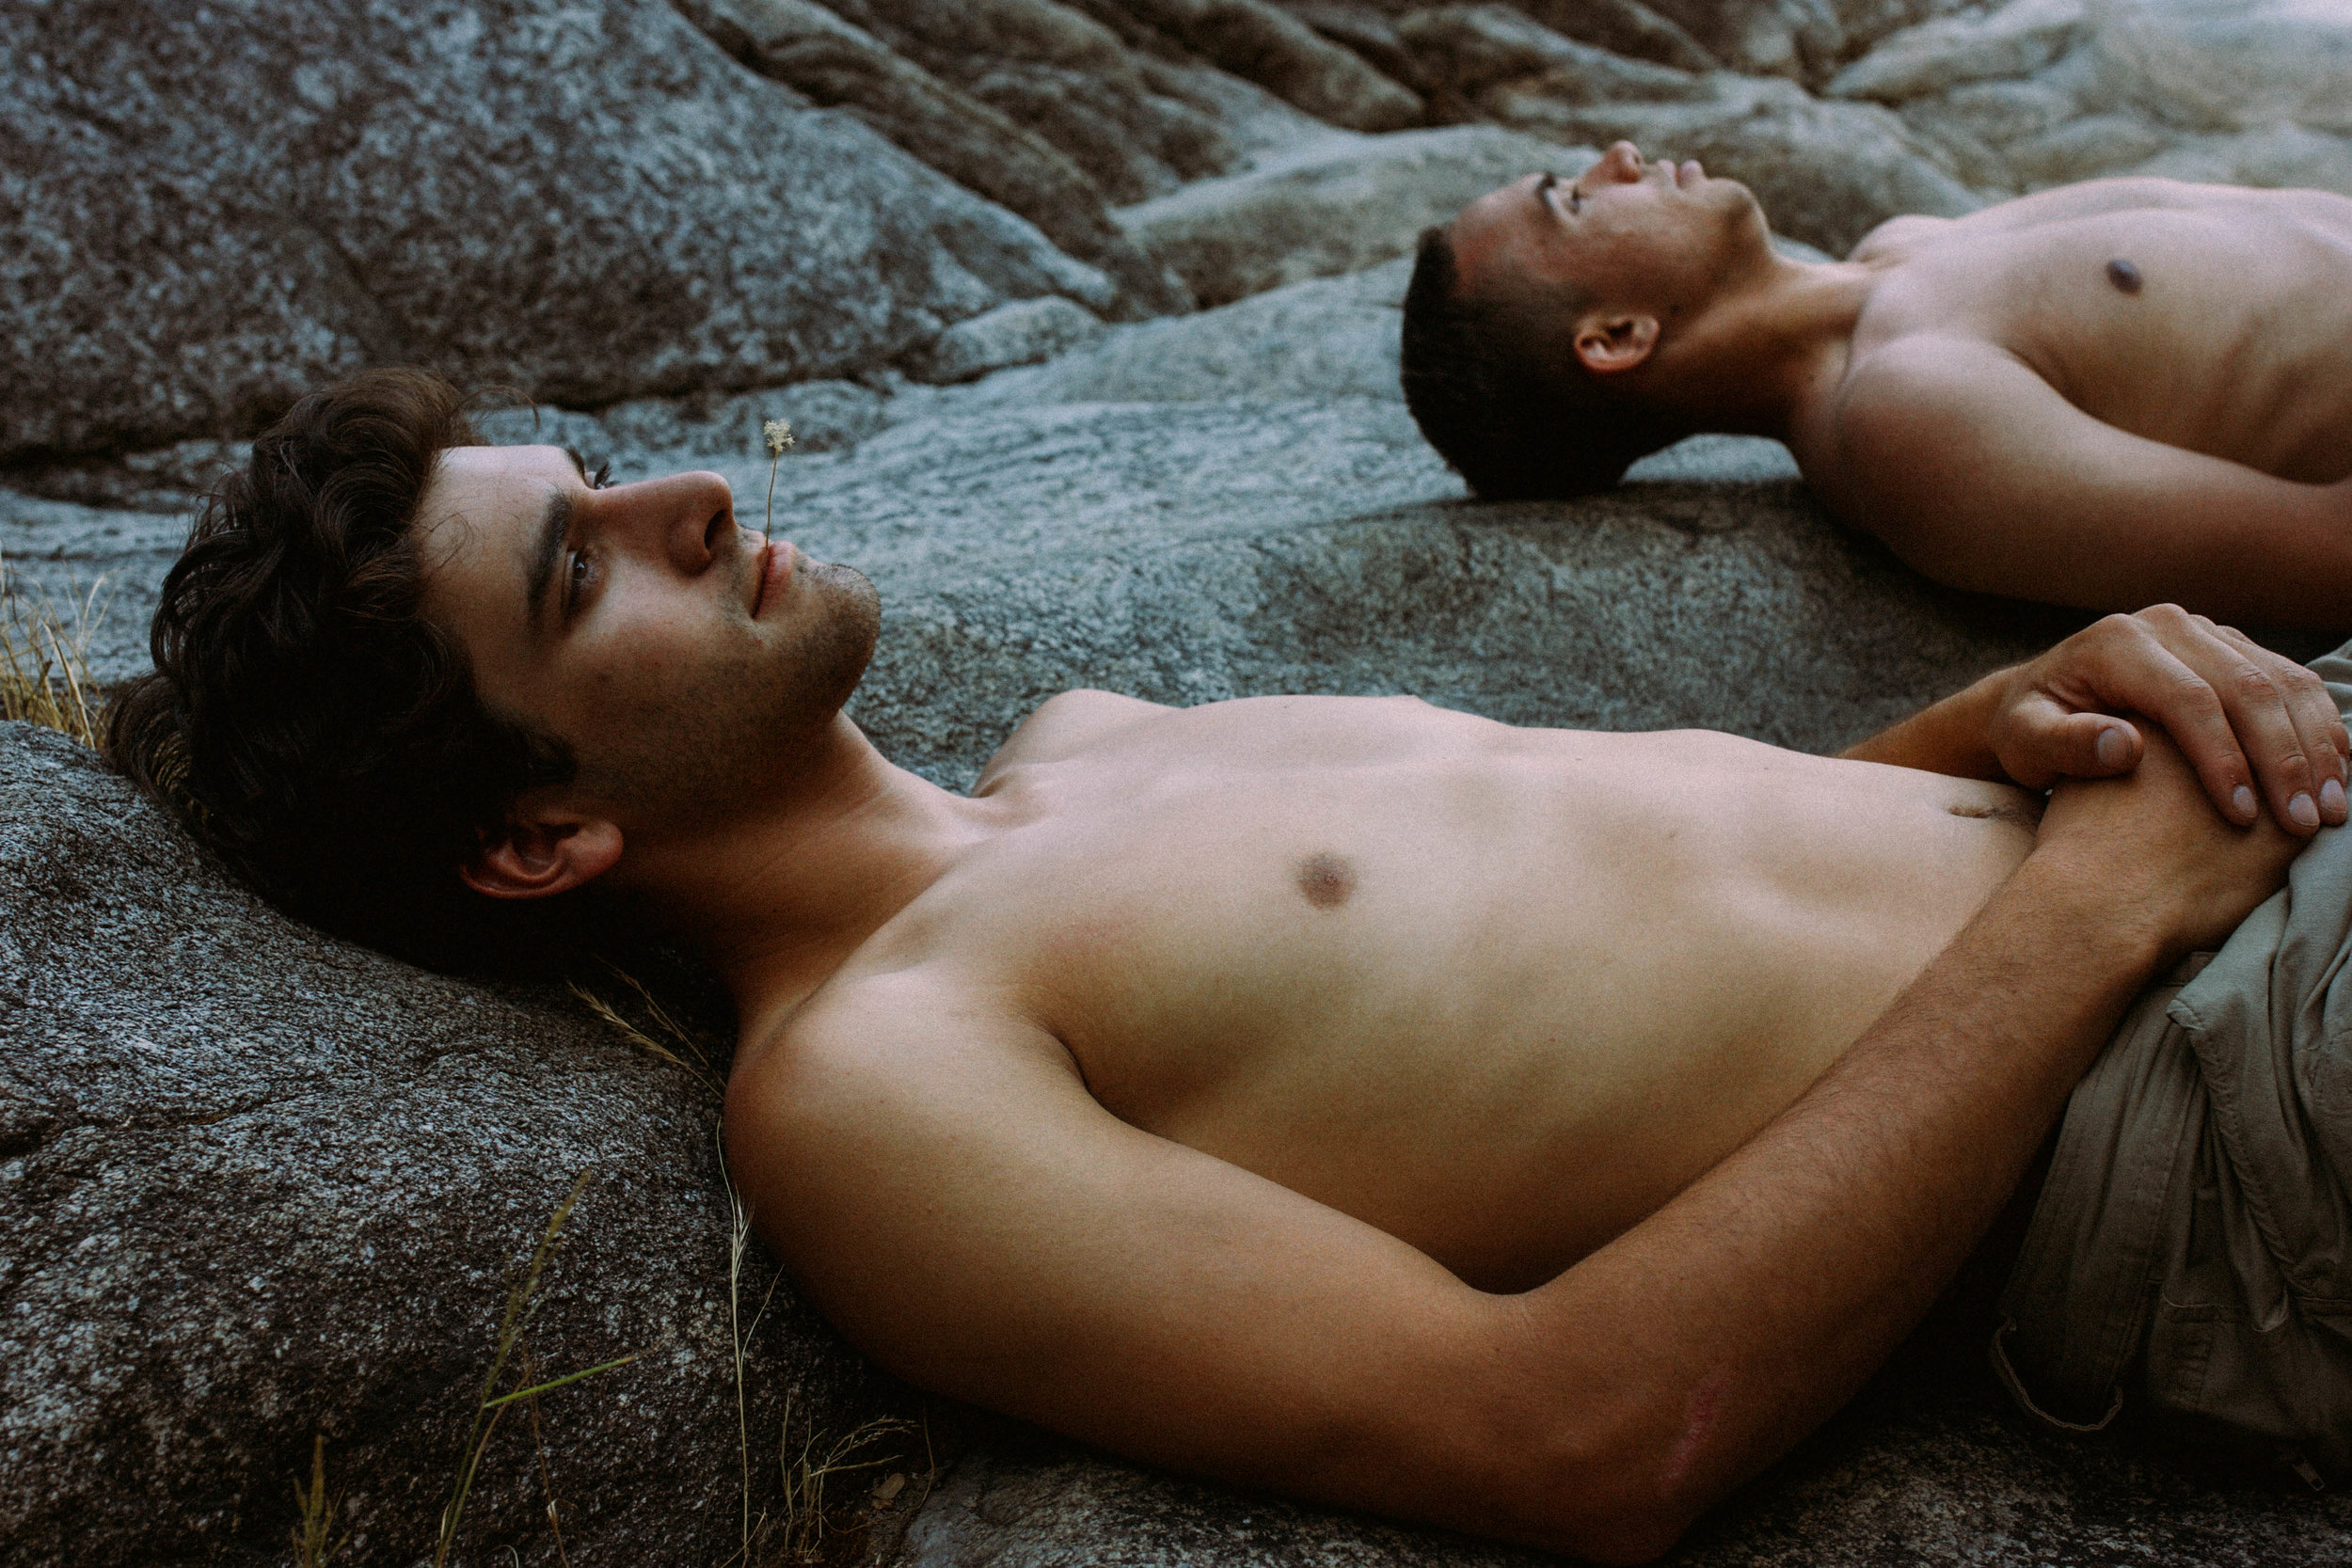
<point x="2123" y="275"/>
<point x="1326" y="879"/>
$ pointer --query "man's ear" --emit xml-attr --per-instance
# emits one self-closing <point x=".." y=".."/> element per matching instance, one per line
<point x="1608" y="344"/>
<point x="542" y="857"/>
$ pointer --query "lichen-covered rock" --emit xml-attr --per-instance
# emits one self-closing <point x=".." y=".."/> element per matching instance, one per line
<point x="2017" y="41"/>
<point x="1995" y="113"/>
<point x="258" y="1187"/>
<point x="1470" y="48"/>
<point x="1266" y="45"/>
<point x="1019" y="334"/>
<point x="1325" y="339"/>
<point x="2205" y="65"/>
<point x="1803" y="38"/>
<point x="2276" y="157"/>
<point x="99" y="568"/>
<point x="212" y="209"/>
<point x="1359" y="26"/>
<point x="1627" y="27"/>
<point x="836" y="64"/>
<point x="1335" y="206"/>
<point x="2085" y="148"/>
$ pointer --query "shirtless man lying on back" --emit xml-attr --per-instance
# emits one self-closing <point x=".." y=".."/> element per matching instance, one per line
<point x="1534" y="1131"/>
<point x="2104" y="395"/>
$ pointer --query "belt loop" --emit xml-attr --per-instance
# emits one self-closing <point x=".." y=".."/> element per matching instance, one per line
<point x="2016" y="1386"/>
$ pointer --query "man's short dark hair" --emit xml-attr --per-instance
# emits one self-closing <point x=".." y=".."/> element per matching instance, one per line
<point x="304" y="720"/>
<point x="1496" y="390"/>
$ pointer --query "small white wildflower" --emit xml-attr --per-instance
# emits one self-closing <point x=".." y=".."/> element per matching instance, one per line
<point x="778" y="434"/>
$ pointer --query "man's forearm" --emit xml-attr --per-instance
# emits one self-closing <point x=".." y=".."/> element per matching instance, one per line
<point x="1949" y="737"/>
<point x="1745" y="1312"/>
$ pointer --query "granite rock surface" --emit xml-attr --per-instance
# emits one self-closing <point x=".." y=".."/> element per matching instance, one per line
<point x="834" y="63"/>
<point x="1334" y="205"/>
<point x="258" y="1187"/>
<point x="2052" y="91"/>
<point x="590" y="201"/>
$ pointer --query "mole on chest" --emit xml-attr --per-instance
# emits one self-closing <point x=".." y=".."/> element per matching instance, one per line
<point x="1326" y="880"/>
<point x="2123" y="275"/>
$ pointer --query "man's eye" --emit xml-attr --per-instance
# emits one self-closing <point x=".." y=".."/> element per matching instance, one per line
<point x="575" y="575"/>
<point x="1576" y="200"/>
<point x="602" y="477"/>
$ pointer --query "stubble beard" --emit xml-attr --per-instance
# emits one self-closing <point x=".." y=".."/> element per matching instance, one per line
<point x="748" y="728"/>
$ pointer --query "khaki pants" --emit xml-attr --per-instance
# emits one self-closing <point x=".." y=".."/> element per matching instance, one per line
<point x="2191" y="1250"/>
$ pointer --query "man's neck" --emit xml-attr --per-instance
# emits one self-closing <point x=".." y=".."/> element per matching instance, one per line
<point x="779" y="894"/>
<point x="1765" y="353"/>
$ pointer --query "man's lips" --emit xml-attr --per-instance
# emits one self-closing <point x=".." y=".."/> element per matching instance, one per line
<point x="775" y="563"/>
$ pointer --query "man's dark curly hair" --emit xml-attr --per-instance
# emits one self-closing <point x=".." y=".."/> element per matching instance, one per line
<point x="304" y="719"/>
<point x="1517" y="422"/>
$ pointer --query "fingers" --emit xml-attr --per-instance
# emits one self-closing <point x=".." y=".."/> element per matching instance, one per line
<point x="2043" y="741"/>
<point x="2258" y="729"/>
<point x="2270" y="700"/>
<point x="2318" y="725"/>
<point x="2135" y="663"/>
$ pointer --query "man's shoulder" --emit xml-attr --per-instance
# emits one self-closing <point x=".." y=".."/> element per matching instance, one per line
<point x="1069" y="723"/>
<point x="889" y="1059"/>
<point x="1891" y="239"/>
<point x="892" y="1022"/>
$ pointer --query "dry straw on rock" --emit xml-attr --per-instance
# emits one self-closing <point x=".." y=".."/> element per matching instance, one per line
<point x="44" y="666"/>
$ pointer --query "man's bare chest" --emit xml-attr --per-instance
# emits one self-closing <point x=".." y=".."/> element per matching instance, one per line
<point x="2224" y="331"/>
<point x="1346" y="960"/>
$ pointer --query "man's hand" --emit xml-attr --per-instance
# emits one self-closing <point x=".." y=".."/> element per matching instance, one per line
<point x="2242" y="715"/>
<point x="2257" y="727"/>
<point x="2151" y="848"/>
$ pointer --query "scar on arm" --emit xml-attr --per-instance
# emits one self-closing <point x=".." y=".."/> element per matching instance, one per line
<point x="1698" y="1420"/>
<point x="1326" y="879"/>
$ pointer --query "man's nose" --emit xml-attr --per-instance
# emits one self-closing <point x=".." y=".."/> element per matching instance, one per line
<point x="687" y="519"/>
<point x="1622" y="161"/>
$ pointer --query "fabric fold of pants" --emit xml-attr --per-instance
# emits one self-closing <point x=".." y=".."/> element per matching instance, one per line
<point x="2191" y="1250"/>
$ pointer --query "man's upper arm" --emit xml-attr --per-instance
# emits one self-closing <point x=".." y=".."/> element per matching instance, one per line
<point x="1974" y="469"/>
<point x="948" y="1191"/>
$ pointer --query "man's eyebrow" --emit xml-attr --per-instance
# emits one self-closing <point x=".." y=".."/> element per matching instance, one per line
<point x="553" y="526"/>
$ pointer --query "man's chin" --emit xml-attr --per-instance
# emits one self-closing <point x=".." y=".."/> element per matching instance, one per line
<point x="841" y="646"/>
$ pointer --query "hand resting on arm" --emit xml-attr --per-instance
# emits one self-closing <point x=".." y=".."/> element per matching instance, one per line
<point x="2254" y="724"/>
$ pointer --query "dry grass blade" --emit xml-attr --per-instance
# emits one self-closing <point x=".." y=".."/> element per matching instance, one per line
<point x="539" y="1448"/>
<point x="738" y="1244"/>
<point x="315" y="1544"/>
<point x="660" y="1015"/>
<point x="700" y="1063"/>
<point x="44" y="668"/>
<point x="521" y="1305"/>
<point x="806" y="1519"/>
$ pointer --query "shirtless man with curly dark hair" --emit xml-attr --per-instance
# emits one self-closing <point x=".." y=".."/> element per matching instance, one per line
<point x="1531" y="1131"/>
<point x="2103" y="395"/>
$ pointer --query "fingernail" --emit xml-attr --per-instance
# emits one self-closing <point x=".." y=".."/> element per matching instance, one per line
<point x="2242" y="802"/>
<point x="2302" y="811"/>
<point x="2113" y="749"/>
<point x="2331" y="798"/>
